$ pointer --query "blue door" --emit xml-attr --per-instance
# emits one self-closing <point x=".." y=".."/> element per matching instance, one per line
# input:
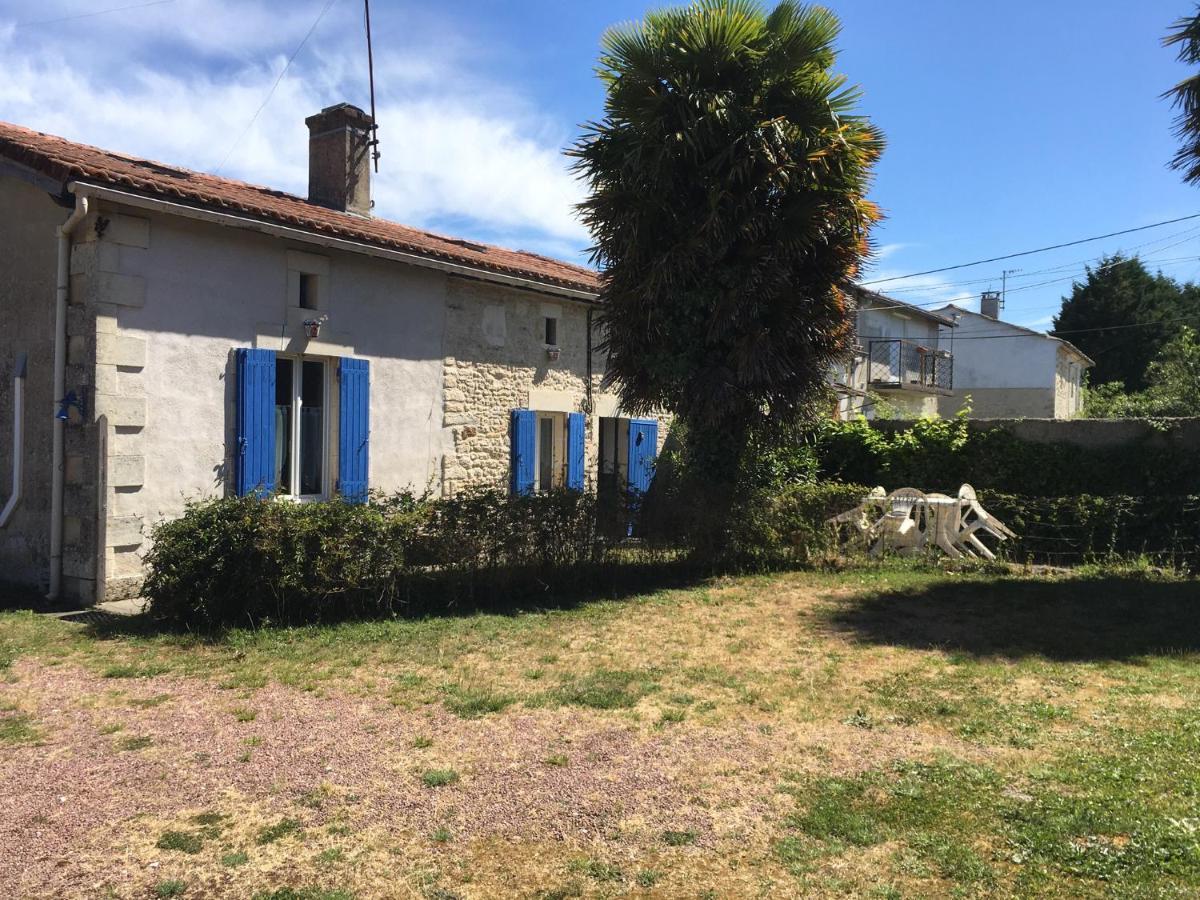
<point x="643" y="451"/>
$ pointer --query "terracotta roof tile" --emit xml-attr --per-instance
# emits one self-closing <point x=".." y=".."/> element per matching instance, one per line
<point x="67" y="160"/>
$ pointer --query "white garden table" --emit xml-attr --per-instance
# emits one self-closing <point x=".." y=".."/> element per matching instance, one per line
<point x="912" y="519"/>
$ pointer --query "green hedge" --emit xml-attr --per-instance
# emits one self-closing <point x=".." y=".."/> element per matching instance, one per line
<point x="939" y="452"/>
<point x="246" y="561"/>
<point x="1086" y="528"/>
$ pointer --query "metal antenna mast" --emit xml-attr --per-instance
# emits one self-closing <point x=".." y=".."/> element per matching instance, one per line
<point x="374" y="142"/>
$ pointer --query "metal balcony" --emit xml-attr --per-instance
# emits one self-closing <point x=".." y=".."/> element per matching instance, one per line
<point x="907" y="365"/>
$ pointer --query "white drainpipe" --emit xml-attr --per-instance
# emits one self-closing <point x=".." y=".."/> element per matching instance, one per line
<point x="61" y="291"/>
<point x="18" y="441"/>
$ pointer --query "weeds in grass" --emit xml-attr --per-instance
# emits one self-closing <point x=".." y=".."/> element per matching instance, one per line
<point x="604" y="689"/>
<point x="331" y="855"/>
<point x="111" y="728"/>
<point x="281" y="829"/>
<point x="170" y="888"/>
<point x="131" y="670"/>
<point x="135" y="742"/>
<point x="648" y="878"/>
<point x="18" y="729"/>
<point x="564" y="892"/>
<point x="233" y="860"/>
<point x="679" y="838"/>
<point x="244" y="714"/>
<point x="181" y="841"/>
<point x="149" y="702"/>
<point x="435" y="778"/>
<point x="441" y="834"/>
<point x="597" y="869"/>
<point x="305" y="893"/>
<point x="671" y="716"/>
<point x="558" y="760"/>
<point x="421" y="742"/>
<point x="471" y="702"/>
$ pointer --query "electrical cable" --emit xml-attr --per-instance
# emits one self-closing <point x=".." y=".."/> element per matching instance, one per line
<point x="1076" y="243"/>
<point x="271" y="92"/>
<point x="89" y="15"/>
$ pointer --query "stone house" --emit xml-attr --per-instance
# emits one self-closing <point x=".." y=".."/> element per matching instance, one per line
<point x="1012" y="372"/>
<point x="170" y="335"/>
<point x="902" y="359"/>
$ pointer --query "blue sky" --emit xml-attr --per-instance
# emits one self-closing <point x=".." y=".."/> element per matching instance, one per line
<point x="1009" y="126"/>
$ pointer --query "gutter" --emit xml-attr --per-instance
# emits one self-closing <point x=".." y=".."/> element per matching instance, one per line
<point x="18" y="440"/>
<point x="85" y="190"/>
<point x="61" y="290"/>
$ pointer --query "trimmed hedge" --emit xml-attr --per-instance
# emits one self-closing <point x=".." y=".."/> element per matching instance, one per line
<point x="949" y="452"/>
<point x="246" y="561"/>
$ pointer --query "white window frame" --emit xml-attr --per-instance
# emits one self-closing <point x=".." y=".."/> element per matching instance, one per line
<point x="558" y="430"/>
<point x="298" y="361"/>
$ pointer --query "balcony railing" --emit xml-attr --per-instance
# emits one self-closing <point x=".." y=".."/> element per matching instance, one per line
<point x="898" y="363"/>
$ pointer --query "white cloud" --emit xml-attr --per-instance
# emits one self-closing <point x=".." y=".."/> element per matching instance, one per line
<point x="179" y="82"/>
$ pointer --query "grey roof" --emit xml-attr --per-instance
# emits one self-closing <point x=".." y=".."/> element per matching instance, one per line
<point x="877" y="300"/>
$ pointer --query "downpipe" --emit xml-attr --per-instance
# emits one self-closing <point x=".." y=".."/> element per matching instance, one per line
<point x="18" y="441"/>
<point x="61" y="293"/>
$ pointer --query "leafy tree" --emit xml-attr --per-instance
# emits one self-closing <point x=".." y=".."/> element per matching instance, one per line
<point x="727" y="203"/>
<point x="1115" y="294"/>
<point x="1185" y="97"/>
<point x="1174" y="385"/>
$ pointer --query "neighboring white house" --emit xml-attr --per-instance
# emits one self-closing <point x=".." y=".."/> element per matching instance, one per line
<point x="901" y="359"/>
<point x="1009" y="371"/>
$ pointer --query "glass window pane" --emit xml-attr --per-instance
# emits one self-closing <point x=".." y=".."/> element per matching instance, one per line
<point x="312" y="437"/>
<point x="545" y="454"/>
<point x="283" y="425"/>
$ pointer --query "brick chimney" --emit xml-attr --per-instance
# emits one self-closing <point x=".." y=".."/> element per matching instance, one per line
<point x="989" y="304"/>
<point x="339" y="159"/>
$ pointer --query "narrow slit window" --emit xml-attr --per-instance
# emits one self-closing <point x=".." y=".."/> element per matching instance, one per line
<point x="551" y="332"/>
<point x="283" y="424"/>
<point x="308" y="291"/>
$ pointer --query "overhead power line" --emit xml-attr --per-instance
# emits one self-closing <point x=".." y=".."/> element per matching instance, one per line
<point x="993" y="259"/>
<point x="88" y="15"/>
<point x="1056" y="334"/>
<point x="271" y="92"/>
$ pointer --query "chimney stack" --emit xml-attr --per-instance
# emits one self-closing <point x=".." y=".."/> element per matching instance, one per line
<point x="339" y="159"/>
<point x="990" y="303"/>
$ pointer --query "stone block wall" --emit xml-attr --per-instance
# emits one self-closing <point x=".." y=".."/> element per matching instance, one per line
<point x="496" y="361"/>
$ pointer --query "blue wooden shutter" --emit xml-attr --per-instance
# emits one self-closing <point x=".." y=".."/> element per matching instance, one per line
<point x="522" y="432"/>
<point x="255" y="422"/>
<point x="643" y="450"/>
<point x="575" y="423"/>
<point x="354" y="428"/>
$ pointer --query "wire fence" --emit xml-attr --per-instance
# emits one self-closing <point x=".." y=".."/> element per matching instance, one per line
<point x="1072" y="530"/>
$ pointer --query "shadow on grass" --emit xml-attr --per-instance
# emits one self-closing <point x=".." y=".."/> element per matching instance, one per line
<point x="1076" y="620"/>
<point x="448" y="596"/>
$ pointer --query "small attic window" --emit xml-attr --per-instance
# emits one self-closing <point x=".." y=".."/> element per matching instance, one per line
<point x="551" y="331"/>
<point x="308" y="291"/>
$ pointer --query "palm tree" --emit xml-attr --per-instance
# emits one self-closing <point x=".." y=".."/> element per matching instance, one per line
<point x="1185" y="97"/>
<point x="727" y="204"/>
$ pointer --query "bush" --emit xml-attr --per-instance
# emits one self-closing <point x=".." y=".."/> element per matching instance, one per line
<point x="940" y="454"/>
<point x="248" y="562"/>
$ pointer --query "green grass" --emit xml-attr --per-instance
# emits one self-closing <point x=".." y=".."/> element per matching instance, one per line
<point x="435" y="778"/>
<point x="604" y="689"/>
<point x="473" y="702"/>
<point x="281" y="829"/>
<point x="679" y="838"/>
<point x="135" y="742"/>
<point x="182" y="841"/>
<point x="234" y="860"/>
<point x="171" y="888"/>
<point x="18" y="729"/>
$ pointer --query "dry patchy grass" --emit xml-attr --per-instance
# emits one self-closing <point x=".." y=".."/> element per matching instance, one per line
<point x="886" y="731"/>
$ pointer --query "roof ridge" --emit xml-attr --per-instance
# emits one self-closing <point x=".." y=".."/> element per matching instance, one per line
<point x="71" y="160"/>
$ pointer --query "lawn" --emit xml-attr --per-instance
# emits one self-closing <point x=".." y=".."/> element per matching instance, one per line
<point x="885" y="731"/>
